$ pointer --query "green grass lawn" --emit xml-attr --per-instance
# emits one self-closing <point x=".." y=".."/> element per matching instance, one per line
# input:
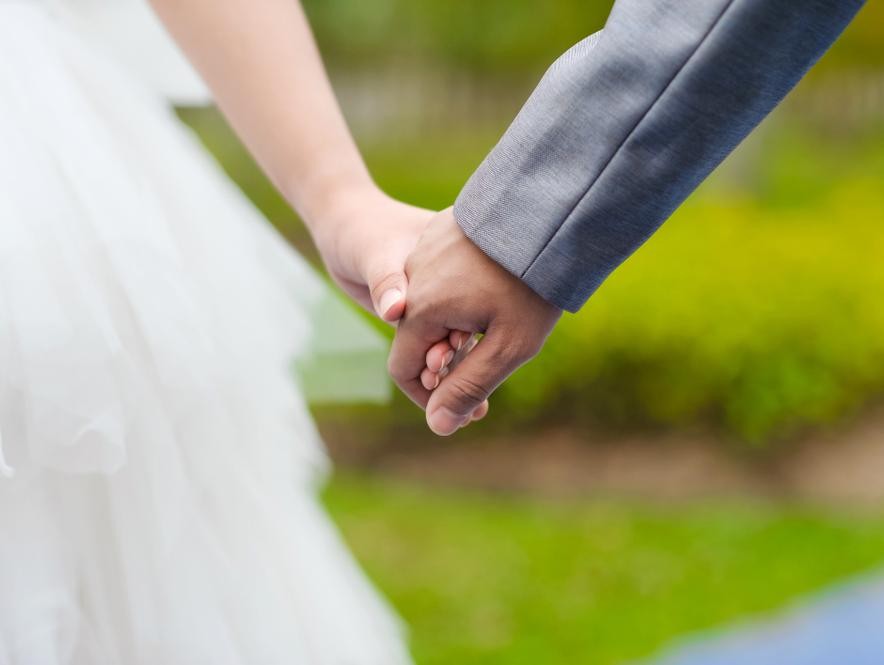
<point x="497" y="579"/>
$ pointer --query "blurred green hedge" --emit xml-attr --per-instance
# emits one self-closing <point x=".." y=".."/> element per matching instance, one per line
<point x="757" y="309"/>
<point x="755" y="319"/>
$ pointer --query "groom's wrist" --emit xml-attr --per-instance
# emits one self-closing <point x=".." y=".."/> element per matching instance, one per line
<point x="503" y="248"/>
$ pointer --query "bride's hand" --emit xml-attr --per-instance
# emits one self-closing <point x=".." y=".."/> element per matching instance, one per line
<point x="365" y="238"/>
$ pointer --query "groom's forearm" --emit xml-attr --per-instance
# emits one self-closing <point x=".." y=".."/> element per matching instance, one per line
<point x="625" y="126"/>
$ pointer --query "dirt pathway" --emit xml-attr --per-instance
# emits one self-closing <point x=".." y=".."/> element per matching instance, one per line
<point x="837" y="467"/>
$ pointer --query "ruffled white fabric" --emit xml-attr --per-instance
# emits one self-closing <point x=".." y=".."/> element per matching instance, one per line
<point x="163" y="507"/>
<point x="129" y="32"/>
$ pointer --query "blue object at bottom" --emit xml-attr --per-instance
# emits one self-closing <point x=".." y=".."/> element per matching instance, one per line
<point x="843" y="626"/>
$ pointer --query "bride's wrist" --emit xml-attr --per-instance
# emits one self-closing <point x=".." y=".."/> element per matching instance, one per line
<point x="325" y="198"/>
<point x="339" y="215"/>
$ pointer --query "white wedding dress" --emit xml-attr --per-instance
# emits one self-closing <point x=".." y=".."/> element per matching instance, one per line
<point x="159" y="471"/>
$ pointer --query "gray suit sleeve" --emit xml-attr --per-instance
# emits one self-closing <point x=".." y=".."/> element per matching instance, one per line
<point x="625" y="125"/>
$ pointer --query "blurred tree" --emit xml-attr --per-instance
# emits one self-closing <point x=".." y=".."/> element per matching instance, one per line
<point x="862" y="46"/>
<point x="492" y="36"/>
<point x="502" y="36"/>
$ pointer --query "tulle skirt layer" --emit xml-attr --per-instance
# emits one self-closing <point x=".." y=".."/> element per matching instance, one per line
<point x="162" y="509"/>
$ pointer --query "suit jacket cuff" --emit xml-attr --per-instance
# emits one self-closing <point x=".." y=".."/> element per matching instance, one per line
<point x="626" y="124"/>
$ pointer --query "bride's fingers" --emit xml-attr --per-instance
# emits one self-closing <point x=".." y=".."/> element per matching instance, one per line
<point x="430" y="380"/>
<point x="439" y="356"/>
<point x="463" y="343"/>
<point x="458" y="339"/>
<point x="443" y="355"/>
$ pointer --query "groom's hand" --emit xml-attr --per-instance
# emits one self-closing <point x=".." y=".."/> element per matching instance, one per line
<point x="453" y="285"/>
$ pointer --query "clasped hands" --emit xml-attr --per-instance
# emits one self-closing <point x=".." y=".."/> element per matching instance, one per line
<point x="463" y="322"/>
<point x="455" y="293"/>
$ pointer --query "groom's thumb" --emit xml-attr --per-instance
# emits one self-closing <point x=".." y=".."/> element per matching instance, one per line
<point x="388" y="295"/>
<point x="452" y="404"/>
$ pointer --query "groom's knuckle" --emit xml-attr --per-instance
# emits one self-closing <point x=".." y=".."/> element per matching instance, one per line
<point x="395" y="369"/>
<point x="398" y="376"/>
<point x="467" y="392"/>
<point x="426" y="302"/>
<point x="416" y="307"/>
<point x="529" y="348"/>
<point x="518" y="348"/>
<point x="505" y="354"/>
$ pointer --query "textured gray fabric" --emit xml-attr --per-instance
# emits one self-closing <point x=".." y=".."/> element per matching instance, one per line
<point x="625" y="125"/>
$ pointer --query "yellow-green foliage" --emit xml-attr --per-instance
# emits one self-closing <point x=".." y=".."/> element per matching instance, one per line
<point x="757" y="309"/>
<point x="757" y="317"/>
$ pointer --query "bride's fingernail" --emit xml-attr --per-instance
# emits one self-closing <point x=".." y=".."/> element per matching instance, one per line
<point x="448" y="358"/>
<point x="389" y="299"/>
